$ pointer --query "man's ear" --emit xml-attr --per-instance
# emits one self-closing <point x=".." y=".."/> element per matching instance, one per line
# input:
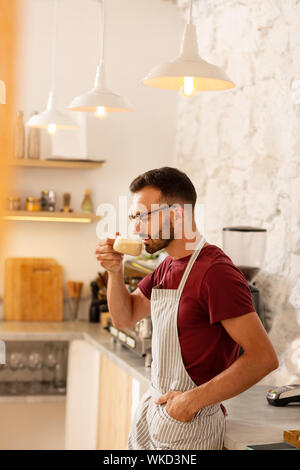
<point x="178" y="212"/>
<point x="178" y="220"/>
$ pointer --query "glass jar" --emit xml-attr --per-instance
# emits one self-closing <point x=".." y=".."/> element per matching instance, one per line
<point x="45" y="200"/>
<point x="14" y="203"/>
<point x="51" y="201"/>
<point x="33" y="204"/>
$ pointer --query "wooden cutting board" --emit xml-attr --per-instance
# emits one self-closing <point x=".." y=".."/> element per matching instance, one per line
<point x="292" y="437"/>
<point x="33" y="290"/>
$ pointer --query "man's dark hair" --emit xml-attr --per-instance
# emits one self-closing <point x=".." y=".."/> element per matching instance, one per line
<point x="173" y="183"/>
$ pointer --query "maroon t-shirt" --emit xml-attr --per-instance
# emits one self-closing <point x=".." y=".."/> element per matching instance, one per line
<point x="214" y="290"/>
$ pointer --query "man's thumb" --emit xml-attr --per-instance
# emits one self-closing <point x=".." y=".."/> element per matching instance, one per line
<point x="161" y="399"/>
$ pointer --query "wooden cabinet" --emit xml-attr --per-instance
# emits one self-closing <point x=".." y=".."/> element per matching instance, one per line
<point x="101" y="400"/>
<point x="114" y="406"/>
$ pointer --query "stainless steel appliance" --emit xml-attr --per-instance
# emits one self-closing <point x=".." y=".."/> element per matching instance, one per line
<point x="246" y="247"/>
<point x="134" y="339"/>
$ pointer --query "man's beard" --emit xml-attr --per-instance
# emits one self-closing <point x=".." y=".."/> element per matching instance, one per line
<point x="158" y="243"/>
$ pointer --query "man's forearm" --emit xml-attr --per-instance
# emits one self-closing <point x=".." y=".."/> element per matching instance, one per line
<point x="241" y="375"/>
<point x="119" y="300"/>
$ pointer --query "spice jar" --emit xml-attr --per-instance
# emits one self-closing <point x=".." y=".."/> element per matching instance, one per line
<point x="33" y="204"/>
<point x="45" y="200"/>
<point x="52" y="201"/>
<point x="14" y="203"/>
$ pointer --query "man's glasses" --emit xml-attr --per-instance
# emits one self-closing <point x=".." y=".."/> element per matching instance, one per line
<point x="144" y="216"/>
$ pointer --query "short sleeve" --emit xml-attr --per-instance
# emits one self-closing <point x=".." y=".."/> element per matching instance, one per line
<point x="154" y="278"/>
<point x="226" y="292"/>
<point x="146" y="284"/>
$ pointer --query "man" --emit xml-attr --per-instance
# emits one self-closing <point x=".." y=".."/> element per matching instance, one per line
<point x="201" y="311"/>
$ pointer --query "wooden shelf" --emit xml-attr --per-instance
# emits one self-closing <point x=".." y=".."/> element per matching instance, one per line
<point x="46" y="216"/>
<point x="56" y="163"/>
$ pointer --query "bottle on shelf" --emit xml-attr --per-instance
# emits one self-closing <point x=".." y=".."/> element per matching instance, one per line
<point x="34" y="142"/>
<point x="94" y="311"/>
<point x="19" y="136"/>
<point x="87" y="205"/>
<point x="45" y="200"/>
<point x="52" y="201"/>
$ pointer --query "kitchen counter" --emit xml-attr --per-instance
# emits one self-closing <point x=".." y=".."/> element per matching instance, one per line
<point x="250" y="420"/>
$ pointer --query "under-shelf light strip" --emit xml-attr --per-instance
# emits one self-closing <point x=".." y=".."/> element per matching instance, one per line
<point x="47" y="219"/>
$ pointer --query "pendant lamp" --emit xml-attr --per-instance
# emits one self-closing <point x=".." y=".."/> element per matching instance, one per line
<point x="188" y="73"/>
<point x="100" y="100"/>
<point x="52" y="119"/>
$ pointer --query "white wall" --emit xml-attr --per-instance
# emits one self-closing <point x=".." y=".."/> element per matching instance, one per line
<point x="139" y="34"/>
<point x="242" y="148"/>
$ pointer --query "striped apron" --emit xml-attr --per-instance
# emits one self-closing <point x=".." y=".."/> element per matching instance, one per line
<point x="152" y="427"/>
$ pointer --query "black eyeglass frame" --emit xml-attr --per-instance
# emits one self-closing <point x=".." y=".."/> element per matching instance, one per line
<point x="140" y="217"/>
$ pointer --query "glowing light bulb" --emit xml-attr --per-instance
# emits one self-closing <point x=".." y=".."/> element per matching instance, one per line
<point x="188" y="89"/>
<point x="101" y="112"/>
<point x="52" y="128"/>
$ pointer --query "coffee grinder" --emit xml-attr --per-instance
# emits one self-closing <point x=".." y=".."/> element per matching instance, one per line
<point x="246" y="247"/>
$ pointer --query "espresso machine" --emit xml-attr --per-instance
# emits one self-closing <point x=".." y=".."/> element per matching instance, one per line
<point x="246" y="247"/>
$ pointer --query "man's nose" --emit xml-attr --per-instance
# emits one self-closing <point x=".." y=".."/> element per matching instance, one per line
<point x="137" y="226"/>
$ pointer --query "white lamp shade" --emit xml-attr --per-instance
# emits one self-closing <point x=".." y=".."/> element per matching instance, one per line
<point x="52" y="116"/>
<point x="100" y="96"/>
<point x="90" y="101"/>
<point x="170" y="75"/>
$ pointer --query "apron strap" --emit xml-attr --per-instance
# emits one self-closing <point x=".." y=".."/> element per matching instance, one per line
<point x="190" y="264"/>
<point x="160" y="285"/>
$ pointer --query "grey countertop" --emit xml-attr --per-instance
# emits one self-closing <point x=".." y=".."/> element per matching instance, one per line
<point x="250" y="420"/>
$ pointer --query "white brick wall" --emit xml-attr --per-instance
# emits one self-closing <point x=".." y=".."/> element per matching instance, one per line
<point x="242" y="148"/>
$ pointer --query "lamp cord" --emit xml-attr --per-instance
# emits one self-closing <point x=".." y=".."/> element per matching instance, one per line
<point x="54" y="42"/>
<point x="102" y="28"/>
<point x="191" y="12"/>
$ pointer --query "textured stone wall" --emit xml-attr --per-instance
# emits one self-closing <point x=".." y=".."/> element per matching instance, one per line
<point x="241" y="148"/>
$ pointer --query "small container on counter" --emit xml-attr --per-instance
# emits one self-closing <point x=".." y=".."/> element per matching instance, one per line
<point x="14" y="203"/>
<point x="33" y="204"/>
